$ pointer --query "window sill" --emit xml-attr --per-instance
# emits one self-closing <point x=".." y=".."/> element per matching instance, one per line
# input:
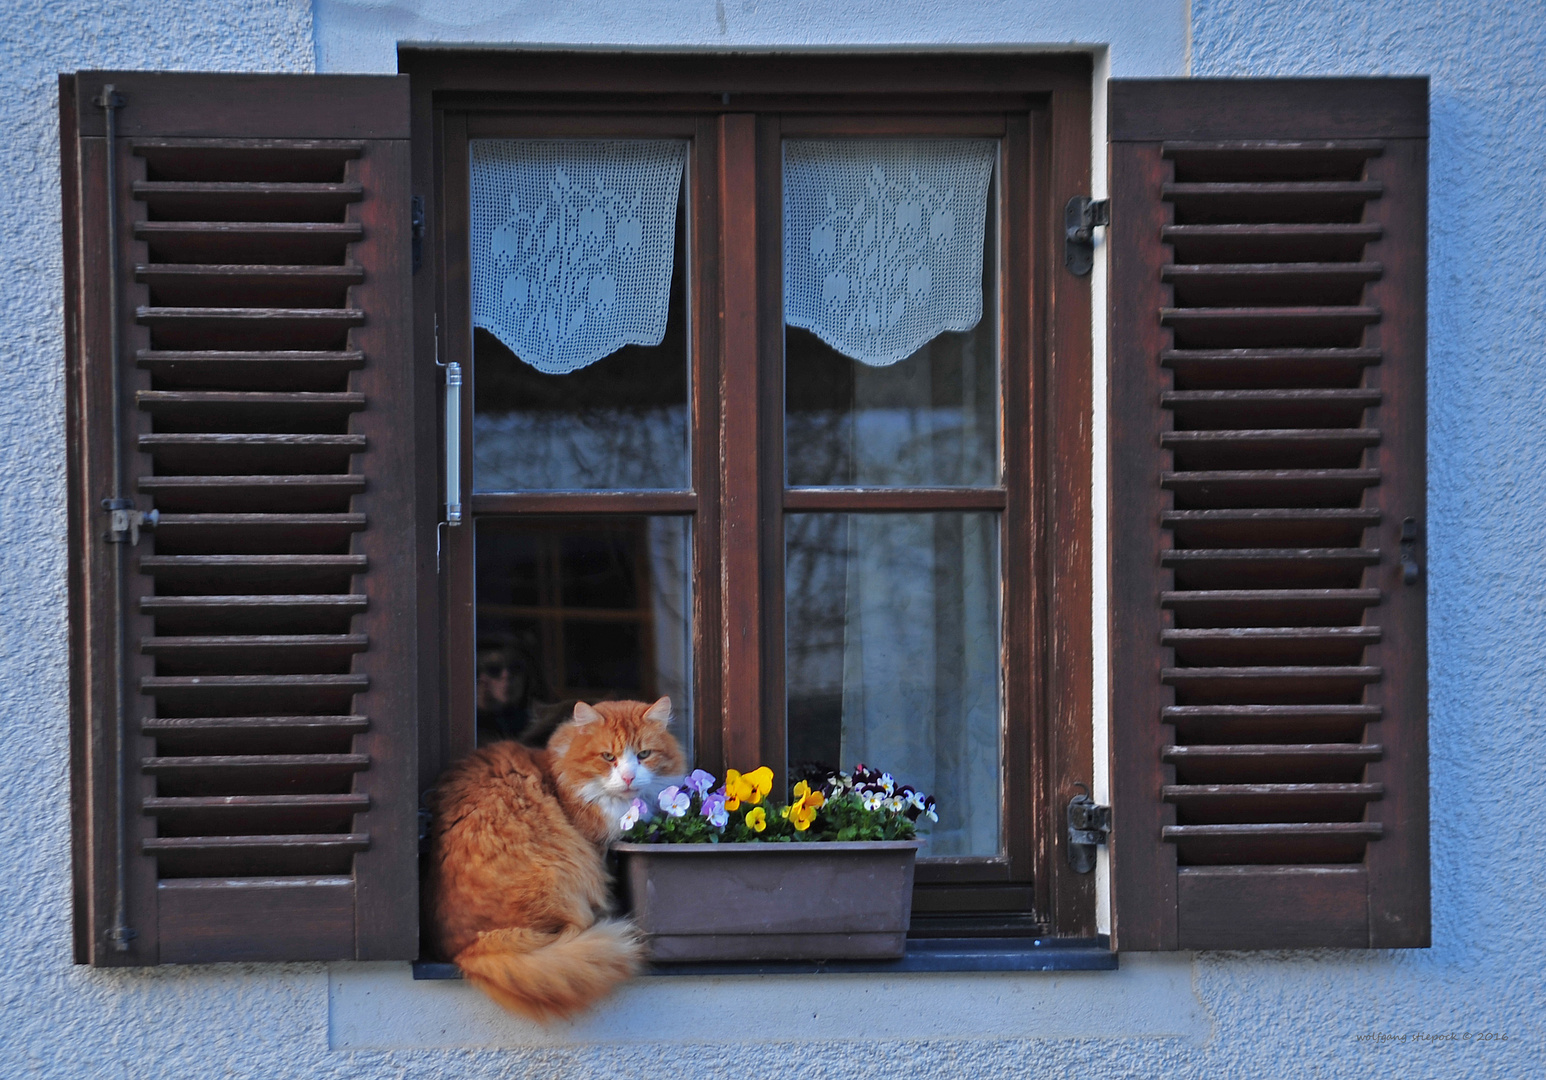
<point x="923" y="954"/>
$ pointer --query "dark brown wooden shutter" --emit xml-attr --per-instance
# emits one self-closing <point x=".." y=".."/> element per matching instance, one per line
<point x="268" y="415"/>
<point x="1268" y="648"/>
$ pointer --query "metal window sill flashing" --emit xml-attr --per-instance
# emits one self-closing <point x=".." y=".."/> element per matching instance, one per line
<point x="923" y="955"/>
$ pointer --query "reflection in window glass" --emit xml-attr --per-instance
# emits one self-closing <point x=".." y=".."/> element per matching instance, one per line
<point x="893" y="658"/>
<point x="930" y="420"/>
<point x="583" y="608"/>
<point x="618" y="424"/>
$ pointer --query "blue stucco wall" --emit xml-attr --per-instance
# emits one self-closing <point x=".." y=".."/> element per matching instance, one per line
<point x="1202" y="1015"/>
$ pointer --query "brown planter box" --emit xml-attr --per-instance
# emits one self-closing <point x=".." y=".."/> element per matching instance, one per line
<point x="801" y="901"/>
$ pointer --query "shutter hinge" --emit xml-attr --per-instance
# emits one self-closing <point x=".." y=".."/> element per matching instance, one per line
<point x="124" y="522"/>
<point x="417" y="226"/>
<point x="1088" y="825"/>
<point x="1081" y="217"/>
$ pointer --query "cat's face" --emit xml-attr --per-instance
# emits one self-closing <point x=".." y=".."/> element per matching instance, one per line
<point x="617" y="751"/>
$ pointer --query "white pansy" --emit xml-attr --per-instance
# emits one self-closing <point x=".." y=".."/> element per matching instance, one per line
<point x="674" y="801"/>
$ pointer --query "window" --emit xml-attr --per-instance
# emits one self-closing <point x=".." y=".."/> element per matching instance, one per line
<point x="818" y="557"/>
<point x="827" y="559"/>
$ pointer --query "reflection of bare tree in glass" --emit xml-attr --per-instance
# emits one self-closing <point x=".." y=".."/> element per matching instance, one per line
<point x="929" y="420"/>
<point x="585" y="449"/>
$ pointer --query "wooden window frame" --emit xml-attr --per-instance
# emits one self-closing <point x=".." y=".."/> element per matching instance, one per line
<point x="735" y="109"/>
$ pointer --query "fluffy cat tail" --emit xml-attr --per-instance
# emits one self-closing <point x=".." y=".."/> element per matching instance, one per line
<point x="547" y="976"/>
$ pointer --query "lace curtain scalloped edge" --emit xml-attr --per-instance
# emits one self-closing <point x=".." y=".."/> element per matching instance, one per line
<point x="883" y="241"/>
<point x="573" y="244"/>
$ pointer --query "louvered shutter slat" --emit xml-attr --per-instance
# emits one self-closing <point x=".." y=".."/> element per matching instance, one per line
<point x="264" y="284"/>
<point x="1268" y="708"/>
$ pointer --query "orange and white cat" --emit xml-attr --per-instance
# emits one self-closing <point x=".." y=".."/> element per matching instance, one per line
<point x="516" y="889"/>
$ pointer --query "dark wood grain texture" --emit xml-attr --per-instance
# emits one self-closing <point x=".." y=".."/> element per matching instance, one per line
<point x="1289" y="907"/>
<point x="1069" y="462"/>
<point x="167" y="104"/>
<point x="1143" y="868"/>
<point x="1290" y="446"/>
<point x="707" y="360"/>
<point x="85" y="771"/>
<point x="1399" y="886"/>
<point x="1145" y="110"/>
<point x="553" y="79"/>
<point x="306" y="919"/>
<point x="272" y="605"/>
<point x="741" y="527"/>
<point x="1025" y="342"/>
<point x="386" y="912"/>
<point x="769" y="218"/>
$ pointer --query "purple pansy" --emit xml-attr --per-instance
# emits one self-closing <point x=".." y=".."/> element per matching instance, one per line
<point x="699" y="782"/>
<point x="714" y="810"/>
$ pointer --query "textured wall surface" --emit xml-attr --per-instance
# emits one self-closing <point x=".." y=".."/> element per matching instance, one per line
<point x="1208" y="1015"/>
<point x="1146" y="38"/>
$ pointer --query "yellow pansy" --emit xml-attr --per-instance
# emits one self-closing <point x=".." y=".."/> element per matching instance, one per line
<point x="756" y="819"/>
<point x="749" y="787"/>
<point x="736" y="789"/>
<point x="803" y="811"/>
<point x="761" y="780"/>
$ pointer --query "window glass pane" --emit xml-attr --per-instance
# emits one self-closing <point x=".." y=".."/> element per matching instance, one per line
<point x="929" y="420"/>
<point x="618" y="424"/>
<point x="581" y="608"/>
<point x="893" y="658"/>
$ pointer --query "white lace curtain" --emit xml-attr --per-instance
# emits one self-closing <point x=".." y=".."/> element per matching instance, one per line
<point x="572" y="245"/>
<point x="883" y="241"/>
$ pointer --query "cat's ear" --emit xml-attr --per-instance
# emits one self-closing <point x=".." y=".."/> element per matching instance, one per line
<point x="584" y="714"/>
<point x="660" y="712"/>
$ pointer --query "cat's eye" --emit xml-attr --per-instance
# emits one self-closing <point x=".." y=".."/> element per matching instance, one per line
<point x="608" y="757"/>
<point x="644" y="754"/>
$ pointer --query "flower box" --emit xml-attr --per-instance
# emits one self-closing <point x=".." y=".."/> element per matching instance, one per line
<point x="771" y="901"/>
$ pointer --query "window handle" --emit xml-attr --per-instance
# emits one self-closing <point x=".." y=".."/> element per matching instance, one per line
<point x="453" y="443"/>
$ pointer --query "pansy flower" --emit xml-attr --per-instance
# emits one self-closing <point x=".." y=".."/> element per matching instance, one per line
<point x="802" y="812"/>
<point x="632" y="814"/>
<point x="714" y="810"/>
<point x="674" y="801"/>
<point x="699" y="782"/>
<point x="756" y="819"/>
<point x="749" y="787"/>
